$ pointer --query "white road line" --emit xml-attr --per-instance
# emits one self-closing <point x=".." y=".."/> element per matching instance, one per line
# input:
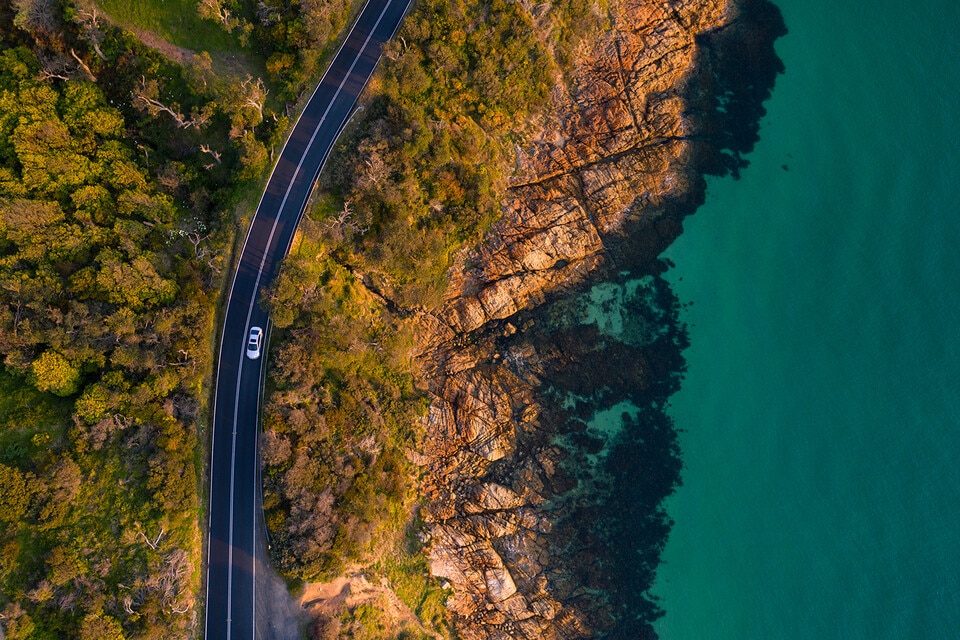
<point x="256" y="288"/>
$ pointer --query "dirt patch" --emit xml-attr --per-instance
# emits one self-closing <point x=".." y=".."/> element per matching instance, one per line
<point x="180" y="55"/>
<point x="328" y="600"/>
<point x="278" y="616"/>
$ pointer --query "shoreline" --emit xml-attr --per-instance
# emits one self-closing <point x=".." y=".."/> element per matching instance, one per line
<point x="530" y="543"/>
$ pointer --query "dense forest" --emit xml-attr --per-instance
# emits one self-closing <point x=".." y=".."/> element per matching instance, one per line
<point x="123" y="179"/>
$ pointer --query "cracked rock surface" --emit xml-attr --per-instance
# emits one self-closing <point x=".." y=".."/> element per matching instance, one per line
<point x="527" y="503"/>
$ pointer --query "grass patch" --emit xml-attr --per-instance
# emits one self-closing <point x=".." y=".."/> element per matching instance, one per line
<point x="409" y="576"/>
<point x="177" y="22"/>
<point x="173" y="20"/>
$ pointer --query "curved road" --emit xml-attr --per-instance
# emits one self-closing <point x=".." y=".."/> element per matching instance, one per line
<point x="234" y="481"/>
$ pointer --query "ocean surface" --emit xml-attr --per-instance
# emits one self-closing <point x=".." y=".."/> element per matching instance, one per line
<point x="821" y="406"/>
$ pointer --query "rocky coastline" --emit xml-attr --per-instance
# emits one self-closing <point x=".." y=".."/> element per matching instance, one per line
<point x="550" y="450"/>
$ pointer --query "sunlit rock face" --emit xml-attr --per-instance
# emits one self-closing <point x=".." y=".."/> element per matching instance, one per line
<point x="549" y="365"/>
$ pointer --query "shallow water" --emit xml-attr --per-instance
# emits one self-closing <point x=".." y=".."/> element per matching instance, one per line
<point x="821" y="494"/>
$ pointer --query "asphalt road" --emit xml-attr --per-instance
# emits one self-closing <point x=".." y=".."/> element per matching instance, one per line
<point x="234" y="481"/>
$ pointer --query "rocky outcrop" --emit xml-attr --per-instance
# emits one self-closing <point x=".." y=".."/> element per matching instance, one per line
<point x="549" y="450"/>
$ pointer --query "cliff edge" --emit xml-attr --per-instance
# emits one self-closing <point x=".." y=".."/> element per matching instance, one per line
<point x="550" y="451"/>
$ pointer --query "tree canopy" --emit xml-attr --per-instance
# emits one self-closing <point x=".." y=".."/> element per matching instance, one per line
<point x="119" y="172"/>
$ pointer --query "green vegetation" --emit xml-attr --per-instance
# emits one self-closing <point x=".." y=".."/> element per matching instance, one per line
<point x="371" y="621"/>
<point x="90" y="269"/>
<point x="417" y="177"/>
<point x="119" y="172"/>
<point x="337" y="422"/>
<point x="54" y="373"/>
<point x="424" y="170"/>
<point x="286" y="39"/>
<point x="294" y="35"/>
<point x="408" y="575"/>
<point x="176" y="21"/>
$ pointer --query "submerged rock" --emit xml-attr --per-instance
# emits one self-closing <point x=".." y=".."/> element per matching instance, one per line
<point x="550" y="451"/>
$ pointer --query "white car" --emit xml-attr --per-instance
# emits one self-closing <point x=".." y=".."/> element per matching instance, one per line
<point x="255" y="343"/>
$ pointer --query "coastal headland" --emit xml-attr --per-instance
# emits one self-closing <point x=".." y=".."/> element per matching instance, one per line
<point x="551" y="451"/>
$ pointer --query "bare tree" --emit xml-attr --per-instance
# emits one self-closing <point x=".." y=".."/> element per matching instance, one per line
<point x="183" y="360"/>
<point x="169" y="177"/>
<point x="153" y="545"/>
<point x="267" y="15"/>
<point x="54" y="67"/>
<point x="254" y="94"/>
<point x="214" y="10"/>
<point x="244" y="102"/>
<point x="196" y="240"/>
<point x="147" y="98"/>
<point x="35" y="16"/>
<point x="83" y="67"/>
<point x="88" y="17"/>
<point x="214" y="154"/>
<point x="176" y="567"/>
<point x="536" y="10"/>
<point x="391" y="50"/>
<point x="345" y="220"/>
<point x="375" y="168"/>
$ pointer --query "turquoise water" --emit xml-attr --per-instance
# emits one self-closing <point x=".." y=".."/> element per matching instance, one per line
<point x="821" y="497"/>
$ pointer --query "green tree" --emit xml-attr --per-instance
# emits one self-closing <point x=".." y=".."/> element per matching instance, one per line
<point x="100" y="627"/>
<point x="15" y="497"/>
<point x="64" y="565"/>
<point x="54" y="373"/>
<point x="93" y="404"/>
